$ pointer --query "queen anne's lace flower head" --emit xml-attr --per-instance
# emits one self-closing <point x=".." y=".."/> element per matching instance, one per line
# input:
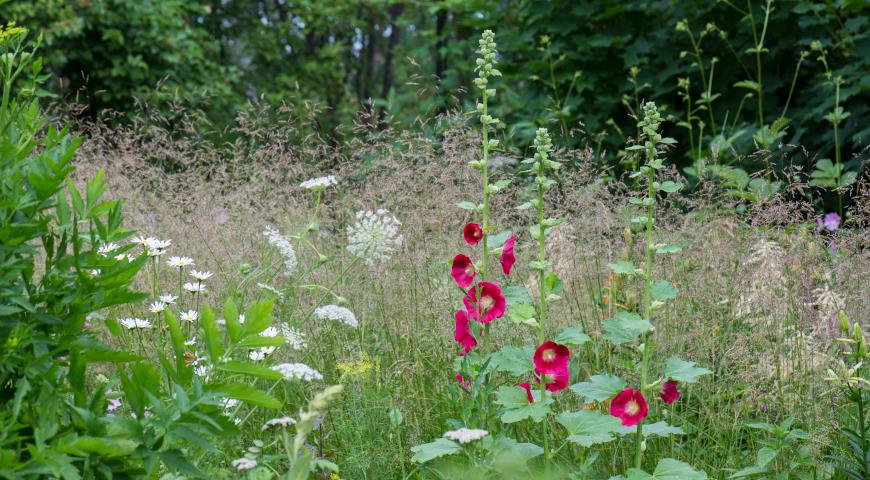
<point x="319" y="183"/>
<point x="336" y="314"/>
<point x="284" y="247"/>
<point x="466" y="435"/>
<point x="297" y="371"/>
<point x="293" y="337"/>
<point x="374" y="237"/>
<point x="278" y="422"/>
<point x="134" y="323"/>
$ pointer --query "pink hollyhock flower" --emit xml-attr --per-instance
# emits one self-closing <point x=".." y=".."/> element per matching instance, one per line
<point x="462" y="382"/>
<point x="556" y="381"/>
<point x="629" y="406"/>
<point x="669" y="392"/>
<point x="463" y="334"/>
<point x="462" y="271"/>
<point x="491" y="304"/>
<point x="507" y="255"/>
<point x="472" y="233"/>
<point x="528" y="388"/>
<point x="551" y="357"/>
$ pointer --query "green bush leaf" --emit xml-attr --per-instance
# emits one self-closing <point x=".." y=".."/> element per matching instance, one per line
<point x="599" y="388"/>
<point x="572" y="336"/>
<point x="588" y="427"/>
<point x="625" y="327"/>
<point x="248" y="368"/>
<point x="432" y="450"/>
<point x="246" y="393"/>
<point x="683" y="371"/>
<point x="662" y="290"/>
<point x="515" y="360"/>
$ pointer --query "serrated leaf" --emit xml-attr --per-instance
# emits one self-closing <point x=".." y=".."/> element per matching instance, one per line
<point x="521" y="312"/>
<point x="660" y="429"/>
<point x="572" y="336"/>
<point x="212" y="335"/>
<point x="662" y="290"/>
<point x="246" y="393"/>
<point x="599" y="388"/>
<point x="497" y="240"/>
<point x="683" y="371"/>
<point x="515" y="360"/>
<point x="623" y="268"/>
<point x="432" y="450"/>
<point x="588" y="427"/>
<point x="671" y="187"/>
<point x="248" y="368"/>
<point x="514" y="294"/>
<point x="467" y="205"/>
<point x="672" y="248"/>
<point x="625" y="327"/>
<point x="517" y="407"/>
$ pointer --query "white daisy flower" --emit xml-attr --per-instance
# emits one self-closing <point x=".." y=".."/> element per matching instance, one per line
<point x="201" y="276"/>
<point x="244" y="463"/>
<point x="168" y="299"/>
<point x="466" y="435"/>
<point x="229" y="403"/>
<point x="297" y="371"/>
<point x="284" y="247"/>
<point x="123" y="256"/>
<point x="143" y="241"/>
<point x="278" y="422"/>
<point x="107" y="248"/>
<point x="155" y="244"/>
<point x="194" y="287"/>
<point x="336" y="314"/>
<point x="319" y="183"/>
<point x="375" y="236"/>
<point x="157" y="307"/>
<point x="133" y="323"/>
<point x="202" y="370"/>
<point x="189" y="316"/>
<point x="180" y="262"/>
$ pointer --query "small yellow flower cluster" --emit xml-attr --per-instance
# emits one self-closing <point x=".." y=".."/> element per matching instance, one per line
<point x="356" y="368"/>
<point x="10" y="31"/>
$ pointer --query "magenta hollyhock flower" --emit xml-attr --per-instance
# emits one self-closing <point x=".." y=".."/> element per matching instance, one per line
<point x="629" y="406"/>
<point x="551" y="357"/>
<point x="462" y="271"/>
<point x="507" y="255"/>
<point x="463" y="334"/>
<point x="556" y="381"/>
<point x="472" y="233"/>
<point x="528" y="388"/>
<point x="669" y="393"/>
<point x="491" y="305"/>
<point x="829" y="222"/>
<point x="462" y="382"/>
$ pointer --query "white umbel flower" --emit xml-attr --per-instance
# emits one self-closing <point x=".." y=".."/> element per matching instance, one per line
<point x="157" y="307"/>
<point x="284" y="247"/>
<point x="201" y="276"/>
<point x="278" y="422"/>
<point x="297" y="371"/>
<point x="180" y="262"/>
<point x="375" y="236"/>
<point x="292" y="337"/>
<point x="466" y="435"/>
<point x="336" y="314"/>
<point x="319" y="183"/>
<point x="189" y="316"/>
<point x="194" y="287"/>
<point x="135" y="323"/>
<point x="243" y="464"/>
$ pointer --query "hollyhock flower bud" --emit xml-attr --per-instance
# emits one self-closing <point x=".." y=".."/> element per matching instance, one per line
<point x="669" y="393"/>
<point x="465" y="384"/>
<point x="629" y="406"/>
<point x="528" y="388"/>
<point x="491" y="305"/>
<point x="551" y="357"/>
<point x="507" y="255"/>
<point x="473" y="233"/>
<point x="462" y="271"/>
<point x="463" y="334"/>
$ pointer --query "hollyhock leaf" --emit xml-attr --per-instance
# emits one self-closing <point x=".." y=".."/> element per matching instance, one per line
<point x="521" y="313"/>
<point x="525" y="206"/>
<point x="572" y="336"/>
<point x="623" y="268"/>
<point x="625" y="327"/>
<point x="660" y="429"/>
<point x="515" y="360"/>
<point x="671" y="187"/>
<point x="517" y="407"/>
<point x="588" y="427"/>
<point x="670" y="469"/>
<point x="638" y="474"/>
<point x="553" y="283"/>
<point x="662" y="290"/>
<point x="599" y="388"/>
<point x="683" y="371"/>
<point x="497" y="240"/>
<point x="432" y="450"/>
<point x="467" y="205"/>
<point x="671" y="248"/>
<point x="516" y="294"/>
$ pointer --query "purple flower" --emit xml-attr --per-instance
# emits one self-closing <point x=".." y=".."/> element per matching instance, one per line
<point x="829" y="222"/>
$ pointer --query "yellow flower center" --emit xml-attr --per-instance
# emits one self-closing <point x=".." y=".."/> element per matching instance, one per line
<point x="632" y="408"/>
<point x="548" y="354"/>
<point x="486" y="301"/>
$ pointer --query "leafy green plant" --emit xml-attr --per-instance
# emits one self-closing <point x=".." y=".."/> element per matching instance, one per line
<point x="784" y="454"/>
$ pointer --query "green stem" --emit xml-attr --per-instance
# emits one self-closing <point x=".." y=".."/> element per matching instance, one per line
<point x="484" y="178"/>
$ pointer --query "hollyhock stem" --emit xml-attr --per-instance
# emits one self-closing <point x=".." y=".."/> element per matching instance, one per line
<point x="647" y="290"/>
<point x="484" y="177"/>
